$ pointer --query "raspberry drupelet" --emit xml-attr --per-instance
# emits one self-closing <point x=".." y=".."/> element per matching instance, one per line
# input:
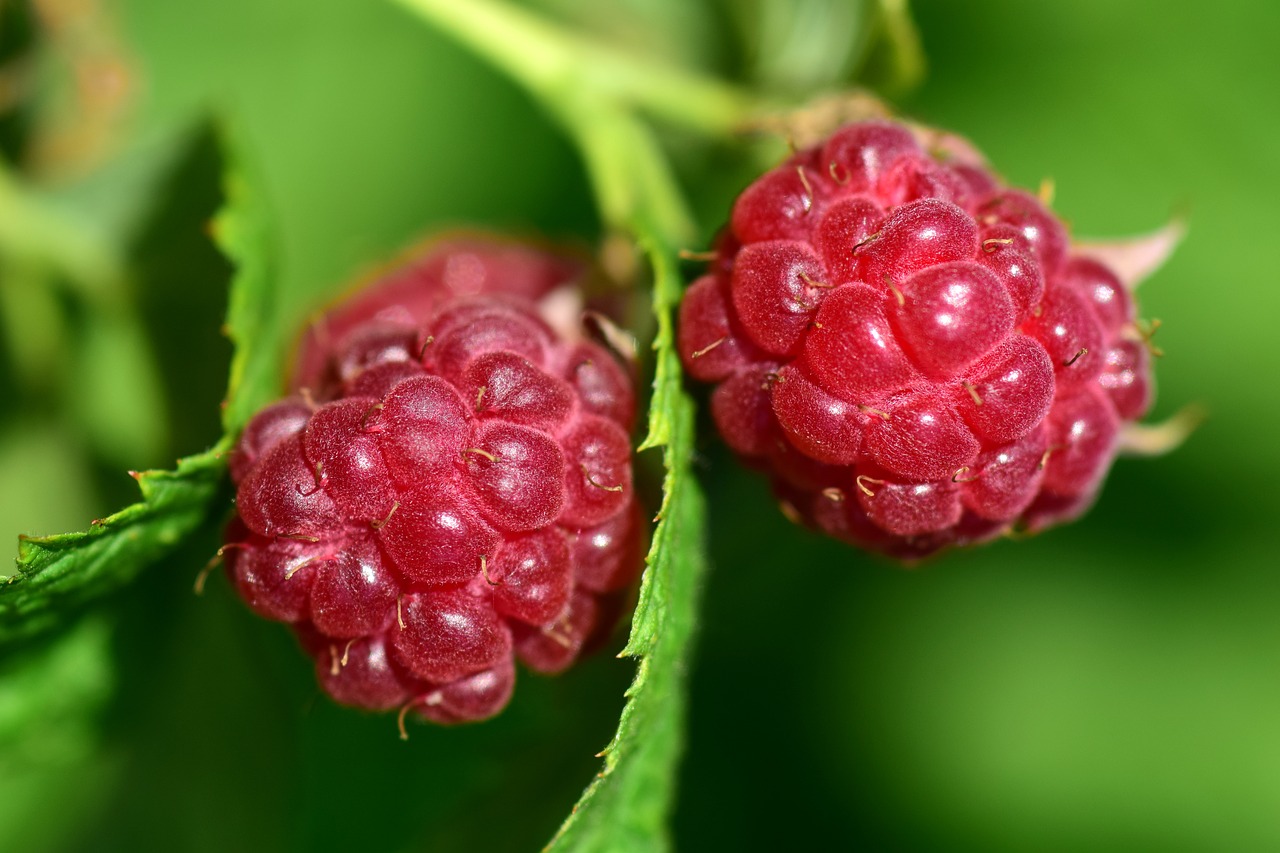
<point x="447" y="490"/>
<point x="909" y="349"/>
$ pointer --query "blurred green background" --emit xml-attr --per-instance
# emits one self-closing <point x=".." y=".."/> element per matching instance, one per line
<point x="1112" y="685"/>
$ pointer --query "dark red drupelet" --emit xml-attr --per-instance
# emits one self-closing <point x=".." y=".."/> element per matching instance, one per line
<point x="909" y="349"/>
<point x="448" y="490"/>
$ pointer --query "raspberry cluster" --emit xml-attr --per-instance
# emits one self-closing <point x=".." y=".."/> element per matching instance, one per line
<point x="448" y="490"/>
<point x="911" y="350"/>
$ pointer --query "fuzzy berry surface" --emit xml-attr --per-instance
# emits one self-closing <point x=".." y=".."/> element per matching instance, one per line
<point x="447" y="492"/>
<point x="910" y="349"/>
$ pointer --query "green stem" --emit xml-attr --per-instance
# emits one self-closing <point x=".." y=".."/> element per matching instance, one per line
<point x="554" y="62"/>
<point x="634" y="187"/>
<point x="592" y="92"/>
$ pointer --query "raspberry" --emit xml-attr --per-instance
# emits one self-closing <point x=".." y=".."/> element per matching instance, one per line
<point x="910" y="350"/>
<point x="396" y="303"/>
<point x="448" y="490"/>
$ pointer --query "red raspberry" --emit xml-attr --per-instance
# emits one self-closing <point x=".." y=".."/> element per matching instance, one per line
<point x="404" y="296"/>
<point x="909" y="349"/>
<point x="450" y="488"/>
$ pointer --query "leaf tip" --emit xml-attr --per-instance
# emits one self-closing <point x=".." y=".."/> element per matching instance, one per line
<point x="652" y="440"/>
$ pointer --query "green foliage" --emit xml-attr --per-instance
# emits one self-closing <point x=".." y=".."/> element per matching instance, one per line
<point x="58" y="574"/>
<point x="50" y="749"/>
<point x="244" y="231"/>
<point x="1106" y="686"/>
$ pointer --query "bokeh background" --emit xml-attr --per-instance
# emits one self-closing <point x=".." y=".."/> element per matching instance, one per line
<point x="1113" y="685"/>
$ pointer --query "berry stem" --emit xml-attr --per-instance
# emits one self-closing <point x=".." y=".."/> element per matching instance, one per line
<point x="561" y="66"/>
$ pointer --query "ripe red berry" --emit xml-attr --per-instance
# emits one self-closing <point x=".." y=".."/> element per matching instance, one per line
<point x="909" y="349"/>
<point x="449" y="490"/>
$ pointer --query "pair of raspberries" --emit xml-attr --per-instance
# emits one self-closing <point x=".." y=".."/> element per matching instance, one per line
<point x="909" y="350"/>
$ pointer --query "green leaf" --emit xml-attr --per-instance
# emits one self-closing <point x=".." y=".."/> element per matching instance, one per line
<point x="245" y="233"/>
<point x="59" y="573"/>
<point x="110" y="202"/>
<point x="628" y="805"/>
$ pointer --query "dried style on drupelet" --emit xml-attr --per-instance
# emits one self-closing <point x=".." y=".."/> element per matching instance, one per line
<point x="913" y="352"/>
<point x="449" y="487"/>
